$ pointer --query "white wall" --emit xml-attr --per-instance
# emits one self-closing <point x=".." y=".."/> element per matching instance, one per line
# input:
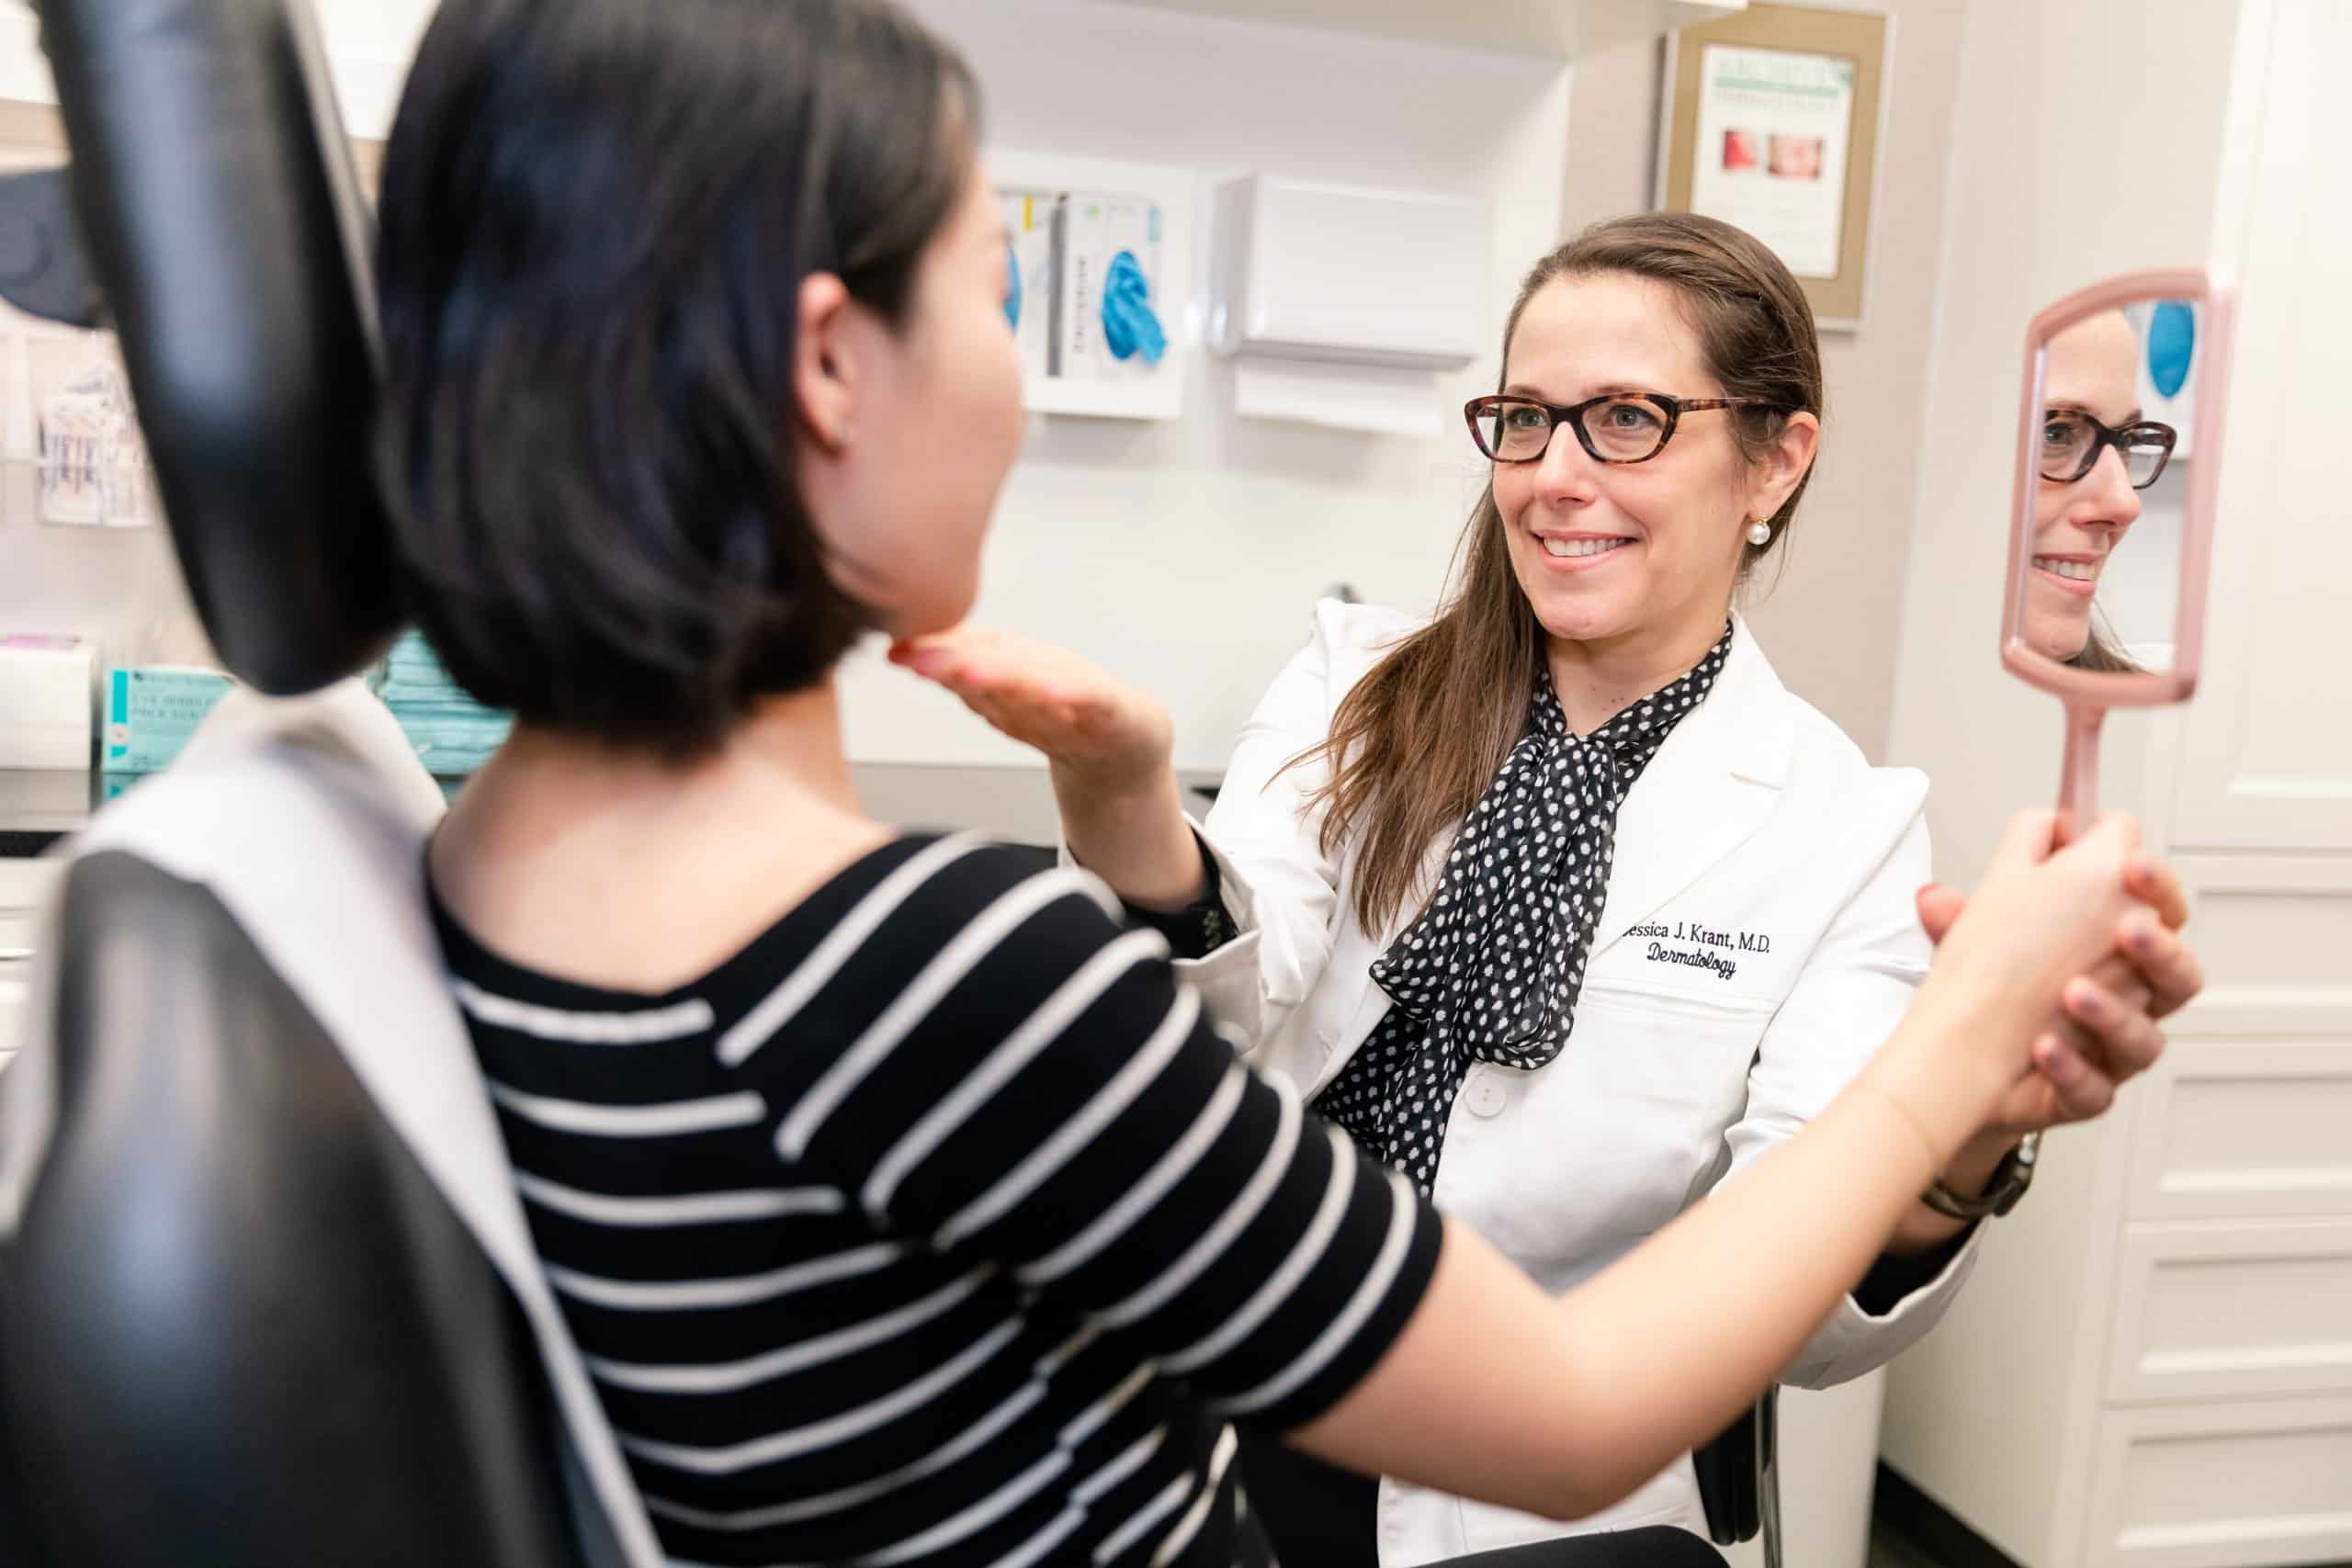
<point x="2086" y="142"/>
<point x="120" y="588"/>
<point x="1832" y="615"/>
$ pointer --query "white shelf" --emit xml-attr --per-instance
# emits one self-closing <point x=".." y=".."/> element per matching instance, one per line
<point x="1558" y="29"/>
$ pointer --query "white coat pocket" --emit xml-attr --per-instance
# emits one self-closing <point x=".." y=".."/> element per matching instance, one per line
<point x="1609" y="1141"/>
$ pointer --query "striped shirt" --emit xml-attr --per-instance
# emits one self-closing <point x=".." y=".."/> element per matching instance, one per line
<point x="935" y="1226"/>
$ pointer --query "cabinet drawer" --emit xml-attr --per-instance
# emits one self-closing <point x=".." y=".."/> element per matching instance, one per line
<point x="2271" y="928"/>
<point x="24" y="887"/>
<point x="13" y="1003"/>
<point x="25" y="882"/>
<point x="15" y="935"/>
<point x="2262" y="1128"/>
<point x="2217" y="1311"/>
<point x="2232" y="1486"/>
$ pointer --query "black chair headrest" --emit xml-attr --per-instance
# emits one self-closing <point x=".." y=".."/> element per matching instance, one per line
<point x="44" y="268"/>
<point x="216" y="194"/>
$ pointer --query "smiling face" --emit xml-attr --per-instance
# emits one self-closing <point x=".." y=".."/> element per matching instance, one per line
<point x="2091" y="368"/>
<point x="1631" y="555"/>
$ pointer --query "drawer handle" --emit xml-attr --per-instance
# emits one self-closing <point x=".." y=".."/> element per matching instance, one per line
<point x="15" y="954"/>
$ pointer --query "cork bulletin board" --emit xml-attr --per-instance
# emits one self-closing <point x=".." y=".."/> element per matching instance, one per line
<point x="1772" y="120"/>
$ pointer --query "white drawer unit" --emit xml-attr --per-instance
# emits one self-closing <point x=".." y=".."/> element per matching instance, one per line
<point x="17" y="934"/>
<point x="2223" y="1485"/>
<point x="2259" y="1123"/>
<point x="12" y="1010"/>
<point x="24" y="884"/>
<point x="2271" y="928"/>
<point x="2228" y="1309"/>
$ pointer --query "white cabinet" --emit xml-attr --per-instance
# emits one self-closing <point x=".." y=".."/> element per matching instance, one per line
<point x="12" y="1012"/>
<point x="2254" y="1121"/>
<point x="23" y="884"/>
<point x="2153" y="1367"/>
<point x="2240" y="1484"/>
<point x="2266" y="755"/>
<point x="2218" y="1309"/>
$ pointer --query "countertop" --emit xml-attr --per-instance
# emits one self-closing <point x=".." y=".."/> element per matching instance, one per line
<point x="39" y="806"/>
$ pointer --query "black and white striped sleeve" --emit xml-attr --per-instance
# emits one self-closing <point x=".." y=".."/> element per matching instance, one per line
<point x="1045" y="1093"/>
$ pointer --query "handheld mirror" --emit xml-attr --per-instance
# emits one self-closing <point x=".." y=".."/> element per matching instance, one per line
<point x="2118" y="441"/>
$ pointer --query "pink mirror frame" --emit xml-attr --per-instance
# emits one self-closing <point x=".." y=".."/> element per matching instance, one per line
<point x="2105" y="690"/>
<point x="2089" y="693"/>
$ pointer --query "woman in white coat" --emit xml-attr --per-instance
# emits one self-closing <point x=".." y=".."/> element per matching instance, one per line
<point x="1431" y="897"/>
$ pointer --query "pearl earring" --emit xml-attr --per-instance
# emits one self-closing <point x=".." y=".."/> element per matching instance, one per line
<point x="1759" y="534"/>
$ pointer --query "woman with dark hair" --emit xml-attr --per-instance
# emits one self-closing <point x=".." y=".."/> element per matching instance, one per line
<point x="1559" y="902"/>
<point x="906" y="1207"/>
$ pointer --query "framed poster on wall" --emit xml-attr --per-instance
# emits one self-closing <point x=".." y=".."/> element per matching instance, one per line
<point x="1772" y="123"/>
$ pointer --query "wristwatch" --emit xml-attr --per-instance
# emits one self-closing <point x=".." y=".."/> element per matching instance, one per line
<point x="2010" y="1179"/>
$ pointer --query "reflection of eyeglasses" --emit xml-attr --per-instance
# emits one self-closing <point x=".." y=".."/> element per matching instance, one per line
<point x="2072" y="441"/>
<point x="1616" y="427"/>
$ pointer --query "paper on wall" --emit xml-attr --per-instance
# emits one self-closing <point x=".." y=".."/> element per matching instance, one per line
<point x="1773" y="138"/>
<point x="92" y="459"/>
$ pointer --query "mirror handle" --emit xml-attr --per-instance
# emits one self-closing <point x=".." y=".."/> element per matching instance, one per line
<point x="2078" y="788"/>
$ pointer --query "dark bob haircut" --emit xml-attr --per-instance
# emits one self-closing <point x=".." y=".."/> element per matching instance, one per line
<point x="594" y="222"/>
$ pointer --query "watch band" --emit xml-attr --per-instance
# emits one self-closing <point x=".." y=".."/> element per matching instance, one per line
<point x="2010" y="1179"/>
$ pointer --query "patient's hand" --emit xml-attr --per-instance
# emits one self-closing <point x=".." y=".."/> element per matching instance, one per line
<point x="1096" y="730"/>
<point x="2108" y="1033"/>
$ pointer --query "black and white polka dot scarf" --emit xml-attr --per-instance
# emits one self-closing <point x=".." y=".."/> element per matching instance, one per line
<point x="1491" y="969"/>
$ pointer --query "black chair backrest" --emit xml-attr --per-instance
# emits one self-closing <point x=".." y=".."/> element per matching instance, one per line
<point x="239" y="1327"/>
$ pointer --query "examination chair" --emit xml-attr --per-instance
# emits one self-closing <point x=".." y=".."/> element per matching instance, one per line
<point x="267" y="1298"/>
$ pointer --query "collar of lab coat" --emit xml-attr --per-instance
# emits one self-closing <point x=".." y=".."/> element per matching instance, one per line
<point x="1708" y="790"/>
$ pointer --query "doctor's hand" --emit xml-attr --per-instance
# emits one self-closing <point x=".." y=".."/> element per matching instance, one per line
<point x="2105" y="1032"/>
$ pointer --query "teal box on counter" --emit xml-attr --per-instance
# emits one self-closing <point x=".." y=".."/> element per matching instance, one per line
<point x="452" y="733"/>
<point x="151" y="712"/>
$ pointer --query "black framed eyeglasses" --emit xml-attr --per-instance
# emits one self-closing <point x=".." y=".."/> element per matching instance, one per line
<point x="2072" y="441"/>
<point x="1616" y="427"/>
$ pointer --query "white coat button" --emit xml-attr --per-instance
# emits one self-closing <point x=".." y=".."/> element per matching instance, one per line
<point x="1485" y="1092"/>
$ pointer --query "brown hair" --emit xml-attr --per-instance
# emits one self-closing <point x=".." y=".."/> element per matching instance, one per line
<point x="1416" y="740"/>
<point x="2103" y="654"/>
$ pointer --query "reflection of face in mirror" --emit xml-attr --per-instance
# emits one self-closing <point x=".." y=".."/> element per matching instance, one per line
<point x="2097" y="454"/>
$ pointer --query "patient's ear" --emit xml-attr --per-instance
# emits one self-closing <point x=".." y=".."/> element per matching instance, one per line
<point x="825" y="371"/>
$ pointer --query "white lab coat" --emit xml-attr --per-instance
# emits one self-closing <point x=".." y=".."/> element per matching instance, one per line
<point x="1759" y="840"/>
